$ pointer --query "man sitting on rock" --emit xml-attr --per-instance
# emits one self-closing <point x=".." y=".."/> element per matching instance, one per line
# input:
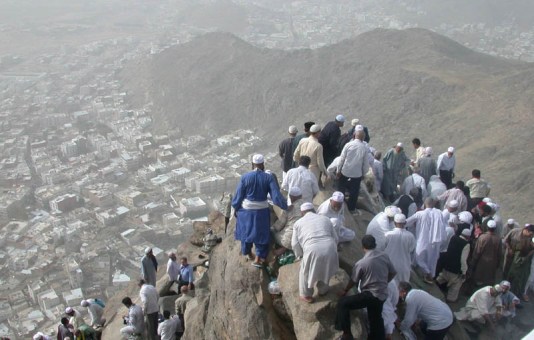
<point x="315" y="240"/>
<point x="484" y="306"/>
<point x="210" y="241"/>
<point x="333" y="208"/>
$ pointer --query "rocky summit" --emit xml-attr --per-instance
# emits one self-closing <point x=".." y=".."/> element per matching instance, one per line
<point x="401" y="84"/>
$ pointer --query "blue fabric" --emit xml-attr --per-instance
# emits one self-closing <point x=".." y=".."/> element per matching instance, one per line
<point x="186" y="274"/>
<point x="261" y="249"/>
<point x="253" y="226"/>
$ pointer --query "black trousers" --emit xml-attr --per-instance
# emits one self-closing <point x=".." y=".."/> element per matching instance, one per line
<point x="352" y="185"/>
<point x="359" y="301"/>
<point x="446" y="177"/>
<point x="434" y="334"/>
<point x="152" y="325"/>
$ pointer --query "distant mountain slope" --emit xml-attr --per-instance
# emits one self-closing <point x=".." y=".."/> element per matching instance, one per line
<point x="401" y="84"/>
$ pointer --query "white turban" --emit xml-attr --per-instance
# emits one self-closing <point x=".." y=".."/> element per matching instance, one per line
<point x="257" y="159"/>
<point x="337" y="196"/>
<point x="148" y="250"/>
<point x="511" y="221"/>
<point x="453" y="204"/>
<point x="315" y="128"/>
<point x="466" y="232"/>
<point x="399" y="218"/>
<point x="450" y="149"/>
<point x="465" y="217"/>
<point x="428" y="151"/>
<point x="487" y="200"/>
<point x="293" y="129"/>
<point x="492" y="224"/>
<point x="307" y="206"/>
<point x="400" y="145"/>
<point x="355" y="122"/>
<point x="391" y="211"/>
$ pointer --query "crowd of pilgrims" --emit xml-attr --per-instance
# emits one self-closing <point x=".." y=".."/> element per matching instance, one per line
<point x="447" y="231"/>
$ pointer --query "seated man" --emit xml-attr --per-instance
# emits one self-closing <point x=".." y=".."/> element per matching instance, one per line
<point x="135" y="321"/>
<point x="509" y="301"/>
<point x="333" y="208"/>
<point x="283" y="227"/>
<point x="95" y="310"/>
<point x="484" y="306"/>
<point x="210" y="241"/>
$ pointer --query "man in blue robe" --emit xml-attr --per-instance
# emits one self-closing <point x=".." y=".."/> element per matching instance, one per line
<point x="252" y="210"/>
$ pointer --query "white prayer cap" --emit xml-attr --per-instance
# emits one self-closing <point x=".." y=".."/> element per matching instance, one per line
<point x="358" y="128"/>
<point x="295" y="191"/>
<point x="505" y="283"/>
<point x="69" y="310"/>
<point x="453" y="204"/>
<point x="338" y="196"/>
<point x="400" y="145"/>
<point x="148" y="250"/>
<point x="466" y="232"/>
<point x="293" y="129"/>
<point x="307" y="206"/>
<point x="399" y="218"/>
<point x="492" y="224"/>
<point x="492" y="205"/>
<point x="257" y="159"/>
<point x="340" y="118"/>
<point x="450" y="149"/>
<point x="354" y="122"/>
<point x="315" y="128"/>
<point x="391" y="211"/>
<point x="465" y="217"/>
<point x="84" y="303"/>
<point x="498" y="288"/>
<point x="487" y="200"/>
<point x="511" y="221"/>
<point x="428" y="151"/>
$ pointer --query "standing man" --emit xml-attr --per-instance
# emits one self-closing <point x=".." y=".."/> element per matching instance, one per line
<point x="285" y="150"/>
<point x="455" y="194"/>
<point x="149" y="267"/>
<point x="302" y="178"/>
<point x="400" y="247"/>
<point x="353" y="165"/>
<point x="486" y="256"/>
<point x="315" y="240"/>
<point x="149" y="301"/>
<point x="252" y="210"/>
<point x="329" y="139"/>
<point x="378" y="170"/>
<point x="478" y="188"/>
<point x="415" y="181"/>
<point x="306" y="134"/>
<point x="226" y="208"/>
<point x="419" y="151"/>
<point x="445" y="166"/>
<point x="394" y="163"/>
<point x="434" y="315"/>
<point x="429" y="233"/>
<point x="372" y="274"/>
<point x="187" y="276"/>
<point x="427" y="165"/>
<point x="173" y="272"/>
<point x="312" y="148"/>
<point x="135" y="323"/>
<point x="454" y="264"/>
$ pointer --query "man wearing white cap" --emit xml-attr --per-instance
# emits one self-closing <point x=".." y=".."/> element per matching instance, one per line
<point x="329" y="139"/>
<point x="484" y="306"/>
<point x="415" y="181"/>
<point x="302" y="178"/>
<point x="454" y="265"/>
<point x="430" y="233"/>
<point x="510" y="225"/>
<point x="253" y="216"/>
<point x="41" y="336"/>
<point x="283" y="227"/>
<point x="445" y="166"/>
<point x="353" y="165"/>
<point x="333" y="208"/>
<point x="400" y="247"/>
<point x="95" y="310"/>
<point x="312" y="148"/>
<point x="394" y="162"/>
<point x="75" y="318"/>
<point x="487" y="256"/>
<point x="426" y="164"/>
<point x="149" y="267"/>
<point x="315" y="240"/>
<point x="285" y="150"/>
<point x="381" y="224"/>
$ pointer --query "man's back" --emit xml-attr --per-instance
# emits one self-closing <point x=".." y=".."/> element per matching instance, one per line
<point x="149" y="297"/>
<point x="434" y="312"/>
<point x="373" y="272"/>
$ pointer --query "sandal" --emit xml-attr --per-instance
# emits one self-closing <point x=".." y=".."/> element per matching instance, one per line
<point x="257" y="264"/>
<point x="307" y="299"/>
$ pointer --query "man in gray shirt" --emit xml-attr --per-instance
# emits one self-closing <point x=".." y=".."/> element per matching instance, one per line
<point x="372" y="273"/>
<point x="435" y="315"/>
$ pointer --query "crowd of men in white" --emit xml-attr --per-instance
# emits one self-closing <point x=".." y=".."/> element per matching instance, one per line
<point x="450" y="234"/>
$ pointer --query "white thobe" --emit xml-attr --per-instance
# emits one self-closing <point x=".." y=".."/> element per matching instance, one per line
<point x="305" y="180"/>
<point x="378" y="227"/>
<point x="315" y="240"/>
<point x="478" y="305"/>
<point x="400" y="247"/>
<point x="390" y="306"/>
<point x="173" y="270"/>
<point x="414" y="181"/>
<point x="378" y="171"/>
<point x="343" y="234"/>
<point x="435" y="187"/>
<point x="429" y="233"/>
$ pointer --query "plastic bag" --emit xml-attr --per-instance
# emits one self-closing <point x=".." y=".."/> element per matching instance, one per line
<point x="274" y="288"/>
